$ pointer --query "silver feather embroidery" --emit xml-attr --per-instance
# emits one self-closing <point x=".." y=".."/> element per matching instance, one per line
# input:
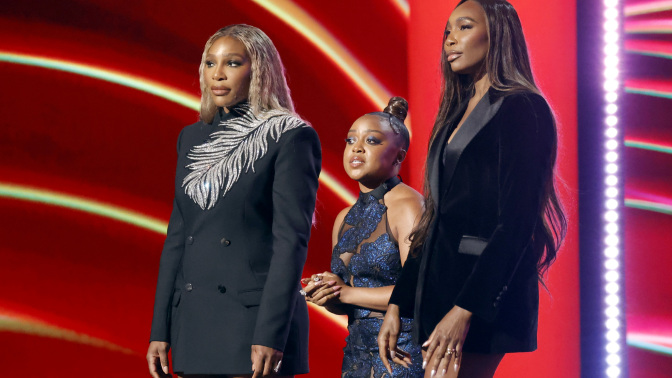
<point x="219" y="162"/>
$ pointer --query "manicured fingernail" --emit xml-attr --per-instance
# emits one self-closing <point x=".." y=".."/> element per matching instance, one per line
<point x="433" y="373"/>
<point x="336" y="287"/>
<point x="444" y="372"/>
<point x="425" y="343"/>
<point x="332" y="282"/>
<point x="456" y="367"/>
<point x="337" y="293"/>
<point x="165" y="369"/>
<point x="424" y="365"/>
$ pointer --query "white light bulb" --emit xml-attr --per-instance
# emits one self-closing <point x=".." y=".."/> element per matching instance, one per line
<point x="611" y="73"/>
<point x="611" y="109"/>
<point x="611" y="228"/>
<point x="612" y="312"/>
<point x="611" y="180"/>
<point x="611" y="156"/>
<point x="613" y="335"/>
<point x="611" y="49"/>
<point x="610" y="13"/>
<point x="611" y="216"/>
<point x="612" y="276"/>
<point x="611" y="204"/>
<point x="611" y="288"/>
<point x="611" y="132"/>
<point x="613" y="347"/>
<point x="610" y="3"/>
<point x="610" y="85"/>
<point x="611" y="144"/>
<point x="611" y="264"/>
<point x="610" y="25"/>
<point x="613" y="359"/>
<point x="613" y="371"/>
<point x="612" y="253"/>
<point x="611" y="120"/>
<point x="611" y="96"/>
<point x="611" y="192"/>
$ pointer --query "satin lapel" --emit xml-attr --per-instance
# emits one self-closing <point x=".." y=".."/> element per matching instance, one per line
<point x="433" y="166"/>
<point x="435" y="153"/>
<point x="479" y="117"/>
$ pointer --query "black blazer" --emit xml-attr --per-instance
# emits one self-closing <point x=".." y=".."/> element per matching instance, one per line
<point x="487" y="188"/>
<point x="229" y="276"/>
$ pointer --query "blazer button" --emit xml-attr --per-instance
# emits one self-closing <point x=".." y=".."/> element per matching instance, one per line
<point x="505" y="288"/>
<point x="495" y="304"/>
<point x="221" y="288"/>
<point x="190" y="239"/>
<point x="189" y="287"/>
<point x="225" y="242"/>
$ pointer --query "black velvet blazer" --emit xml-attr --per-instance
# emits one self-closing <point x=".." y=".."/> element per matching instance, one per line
<point x="487" y="185"/>
<point x="229" y="275"/>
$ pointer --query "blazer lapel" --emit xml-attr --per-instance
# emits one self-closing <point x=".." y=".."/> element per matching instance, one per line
<point x="486" y="108"/>
<point x="479" y="117"/>
<point x="435" y="153"/>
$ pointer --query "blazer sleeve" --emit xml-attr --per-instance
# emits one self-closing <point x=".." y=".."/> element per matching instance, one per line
<point x="526" y="136"/>
<point x="171" y="256"/>
<point x="295" y="183"/>
<point x="404" y="291"/>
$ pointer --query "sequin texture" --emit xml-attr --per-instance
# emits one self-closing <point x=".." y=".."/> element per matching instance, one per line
<point x="367" y="256"/>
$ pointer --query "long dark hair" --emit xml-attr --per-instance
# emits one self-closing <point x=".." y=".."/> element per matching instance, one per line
<point x="507" y="64"/>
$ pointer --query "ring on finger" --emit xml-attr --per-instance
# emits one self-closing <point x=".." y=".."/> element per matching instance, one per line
<point x="317" y="278"/>
<point x="277" y="367"/>
<point x="302" y="292"/>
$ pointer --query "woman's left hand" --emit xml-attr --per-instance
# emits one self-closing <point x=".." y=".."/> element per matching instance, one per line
<point x="265" y="361"/>
<point x="444" y="345"/>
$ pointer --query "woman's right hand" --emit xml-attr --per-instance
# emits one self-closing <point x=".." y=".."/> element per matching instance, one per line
<point x="387" y="340"/>
<point x="320" y="291"/>
<point x="157" y="359"/>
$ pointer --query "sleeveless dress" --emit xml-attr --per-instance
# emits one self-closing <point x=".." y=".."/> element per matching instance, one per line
<point x="367" y="255"/>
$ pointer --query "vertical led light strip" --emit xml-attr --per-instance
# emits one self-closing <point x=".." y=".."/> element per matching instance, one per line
<point x="613" y="288"/>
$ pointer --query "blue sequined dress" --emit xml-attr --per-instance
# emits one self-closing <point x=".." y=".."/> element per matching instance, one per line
<point x="367" y="255"/>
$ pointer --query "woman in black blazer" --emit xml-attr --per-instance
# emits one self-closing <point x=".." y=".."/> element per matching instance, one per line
<point x="227" y="298"/>
<point x="492" y="223"/>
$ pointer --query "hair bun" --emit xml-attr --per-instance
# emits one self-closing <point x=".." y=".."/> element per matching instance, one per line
<point x="398" y="107"/>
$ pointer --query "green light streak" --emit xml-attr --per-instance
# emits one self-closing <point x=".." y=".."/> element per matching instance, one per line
<point x="85" y="205"/>
<point x="648" y="31"/>
<point x="649" y="92"/>
<point x="650" y="206"/>
<point x="651" y="53"/>
<point x="649" y="346"/>
<point x="144" y="85"/>
<point x="649" y="146"/>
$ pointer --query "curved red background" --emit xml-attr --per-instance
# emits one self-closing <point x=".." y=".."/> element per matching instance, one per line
<point x="79" y="286"/>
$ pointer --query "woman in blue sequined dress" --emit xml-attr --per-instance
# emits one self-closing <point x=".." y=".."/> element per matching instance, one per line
<point x="370" y="244"/>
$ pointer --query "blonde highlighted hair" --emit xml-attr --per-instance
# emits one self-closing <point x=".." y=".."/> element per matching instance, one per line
<point x="268" y="86"/>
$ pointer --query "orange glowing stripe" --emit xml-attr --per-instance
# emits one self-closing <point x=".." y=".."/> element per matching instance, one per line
<point x="327" y="179"/>
<point x="29" y="326"/>
<point x="320" y="37"/>
<point x="403" y="7"/>
<point x="340" y="320"/>
<point x="145" y="85"/>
